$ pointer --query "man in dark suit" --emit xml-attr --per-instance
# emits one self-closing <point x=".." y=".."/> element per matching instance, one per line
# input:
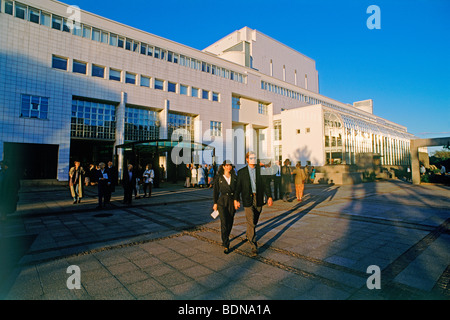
<point x="129" y="183"/>
<point x="113" y="176"/>
<point x="104" y="182"/>
<point x="252" y="186"/>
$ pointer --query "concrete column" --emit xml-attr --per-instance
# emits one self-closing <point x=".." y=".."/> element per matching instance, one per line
<point x="164" y="120"/>
<point x="120" y="131"/>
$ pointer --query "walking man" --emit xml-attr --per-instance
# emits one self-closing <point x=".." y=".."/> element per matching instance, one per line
<point x="252" y="186"/>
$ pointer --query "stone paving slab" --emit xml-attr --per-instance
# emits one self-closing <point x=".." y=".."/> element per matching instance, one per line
<point x="168" y="247"/>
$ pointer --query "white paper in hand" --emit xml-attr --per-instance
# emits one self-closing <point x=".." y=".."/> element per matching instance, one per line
<point x="215" y="214"/>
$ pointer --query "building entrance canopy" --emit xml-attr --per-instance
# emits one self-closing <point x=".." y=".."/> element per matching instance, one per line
<point x="163" y="145"/>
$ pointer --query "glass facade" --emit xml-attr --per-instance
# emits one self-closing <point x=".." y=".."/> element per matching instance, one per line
<point x="141" y="124"/>
<point x="180" y="121"/>
<point x="93" y="120"/>
<point x="346" y="137"/>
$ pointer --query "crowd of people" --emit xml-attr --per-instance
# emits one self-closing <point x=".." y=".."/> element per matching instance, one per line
<point x="105" y="177"/>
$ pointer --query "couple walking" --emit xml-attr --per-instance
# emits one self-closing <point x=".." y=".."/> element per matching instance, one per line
<point x="227" y="191"/>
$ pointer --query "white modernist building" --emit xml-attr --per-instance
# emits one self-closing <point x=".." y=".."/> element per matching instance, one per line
<point x="75" y="85"/>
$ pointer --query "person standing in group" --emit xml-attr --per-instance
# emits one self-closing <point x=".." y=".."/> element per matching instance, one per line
<point x="194" y="176"/>
<point x="252" y="186"/>
<point x="9" y="189"/>
<point x="148" y="177"/>
<point x="187" y="173"/>
<point x="286" y="177"/>
<point x="277" y="190"/>
<point x="76" y="174"/>
<point x="128" y="183"/>
<point x="113" y="179"/>
<point x="210" y="176"/>
<point x="201" y="176"/>
<point x="223" y="195"/>
<point x="300" y="178"/>
<point x="103" y="185"/>
<point x="312" y="177"/>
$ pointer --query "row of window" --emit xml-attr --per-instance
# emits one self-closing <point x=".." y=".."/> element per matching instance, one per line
<point x="56" y="22"/>
<point x="81" y="67"/>
<point x="236" y="104"/>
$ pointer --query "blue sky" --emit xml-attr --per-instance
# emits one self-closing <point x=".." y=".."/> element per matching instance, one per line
<point x="404" y="66"/>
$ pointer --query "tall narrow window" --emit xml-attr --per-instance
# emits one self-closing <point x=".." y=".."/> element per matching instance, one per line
<point x="306" y="81"/>
<point x="271" y="68"/>
<point x="284" y="73"/>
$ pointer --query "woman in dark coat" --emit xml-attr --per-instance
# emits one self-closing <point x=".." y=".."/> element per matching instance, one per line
<point x="223" y="193"/>
<point x="286" y="179"/>
<point x="9" y="188"/>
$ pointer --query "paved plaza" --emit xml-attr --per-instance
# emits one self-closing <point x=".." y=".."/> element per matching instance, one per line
<point x="168" y="246"/>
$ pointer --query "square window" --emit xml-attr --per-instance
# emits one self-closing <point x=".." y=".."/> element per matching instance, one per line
<point x="114" y="74"/>
<point x="172" y="87"/>
<point x="194" y="92"/>
<point x="79" y="67"/>
<point x="215" y="96"/>
<point x="59" y="63"/>
<point x="183" y="89"/>
<point x="113" y="39"/>
<point x="9" y="7"/>
<point x="130" y="78"/>
<point x="159" y="84"/>
<point x="20" y="10"/>
<point x="145" y="81"/>
<point x="205" y="94"/>
<point x="45" y="19"/>
<point x="95" y="34"/>
<point x="33" y="15"/>
<point x="98" y="71"/>
<point x="56" y="22"/>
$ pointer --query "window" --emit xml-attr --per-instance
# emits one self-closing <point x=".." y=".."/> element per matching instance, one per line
<point x="215" y="96"/>
<point x="56" y="22"/>
<point x="172" y="87"/>
<point x="130" y="78"/>
<point x="86" y="32"/>
<point x="98" y="71"/>
<point x="33" y="15"/>
<point x="143" y="49"/>
<point x="236" y="103"/>
<point x="277" y="130"/>
<point x="194" y="92"/>
<point x="169" y="56"/>
<point x="216" y="128"/>
<point x="145" y="81"/>
<point x="113" y="39"/>
<point x="262" y="108"/>
<point x="76" y="28"/>
<point x="114" y="74"/>
<point x="183" y="89"/>
<point x="120" y="42"/>
<point x="9" y="7"/>
<point x="159" y="84"/>
<point x="65" y="26"/>
<point x="34" y="107"/>
<point x="141" y="124"/>
<point x="150" y="51"/>
<point x="308" y="130"/>
<point x="93" y="120"/>
<point x="79" y="67"/>
<point x="104" y="37"/>
<point x="156" y="55"/>
<point x="45" y="19"/>
<point x="20" y="10"/>
<point x="175" y="58"/>
<point x="59" y="63"/>
<point x="205" y="94"/>
<point x="298" y="131"/>
<point x="128" y="44"/>
<point x="95" y="34"/>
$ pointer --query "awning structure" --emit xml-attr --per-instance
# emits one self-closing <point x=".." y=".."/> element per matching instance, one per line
<point x="163" y="145"/>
